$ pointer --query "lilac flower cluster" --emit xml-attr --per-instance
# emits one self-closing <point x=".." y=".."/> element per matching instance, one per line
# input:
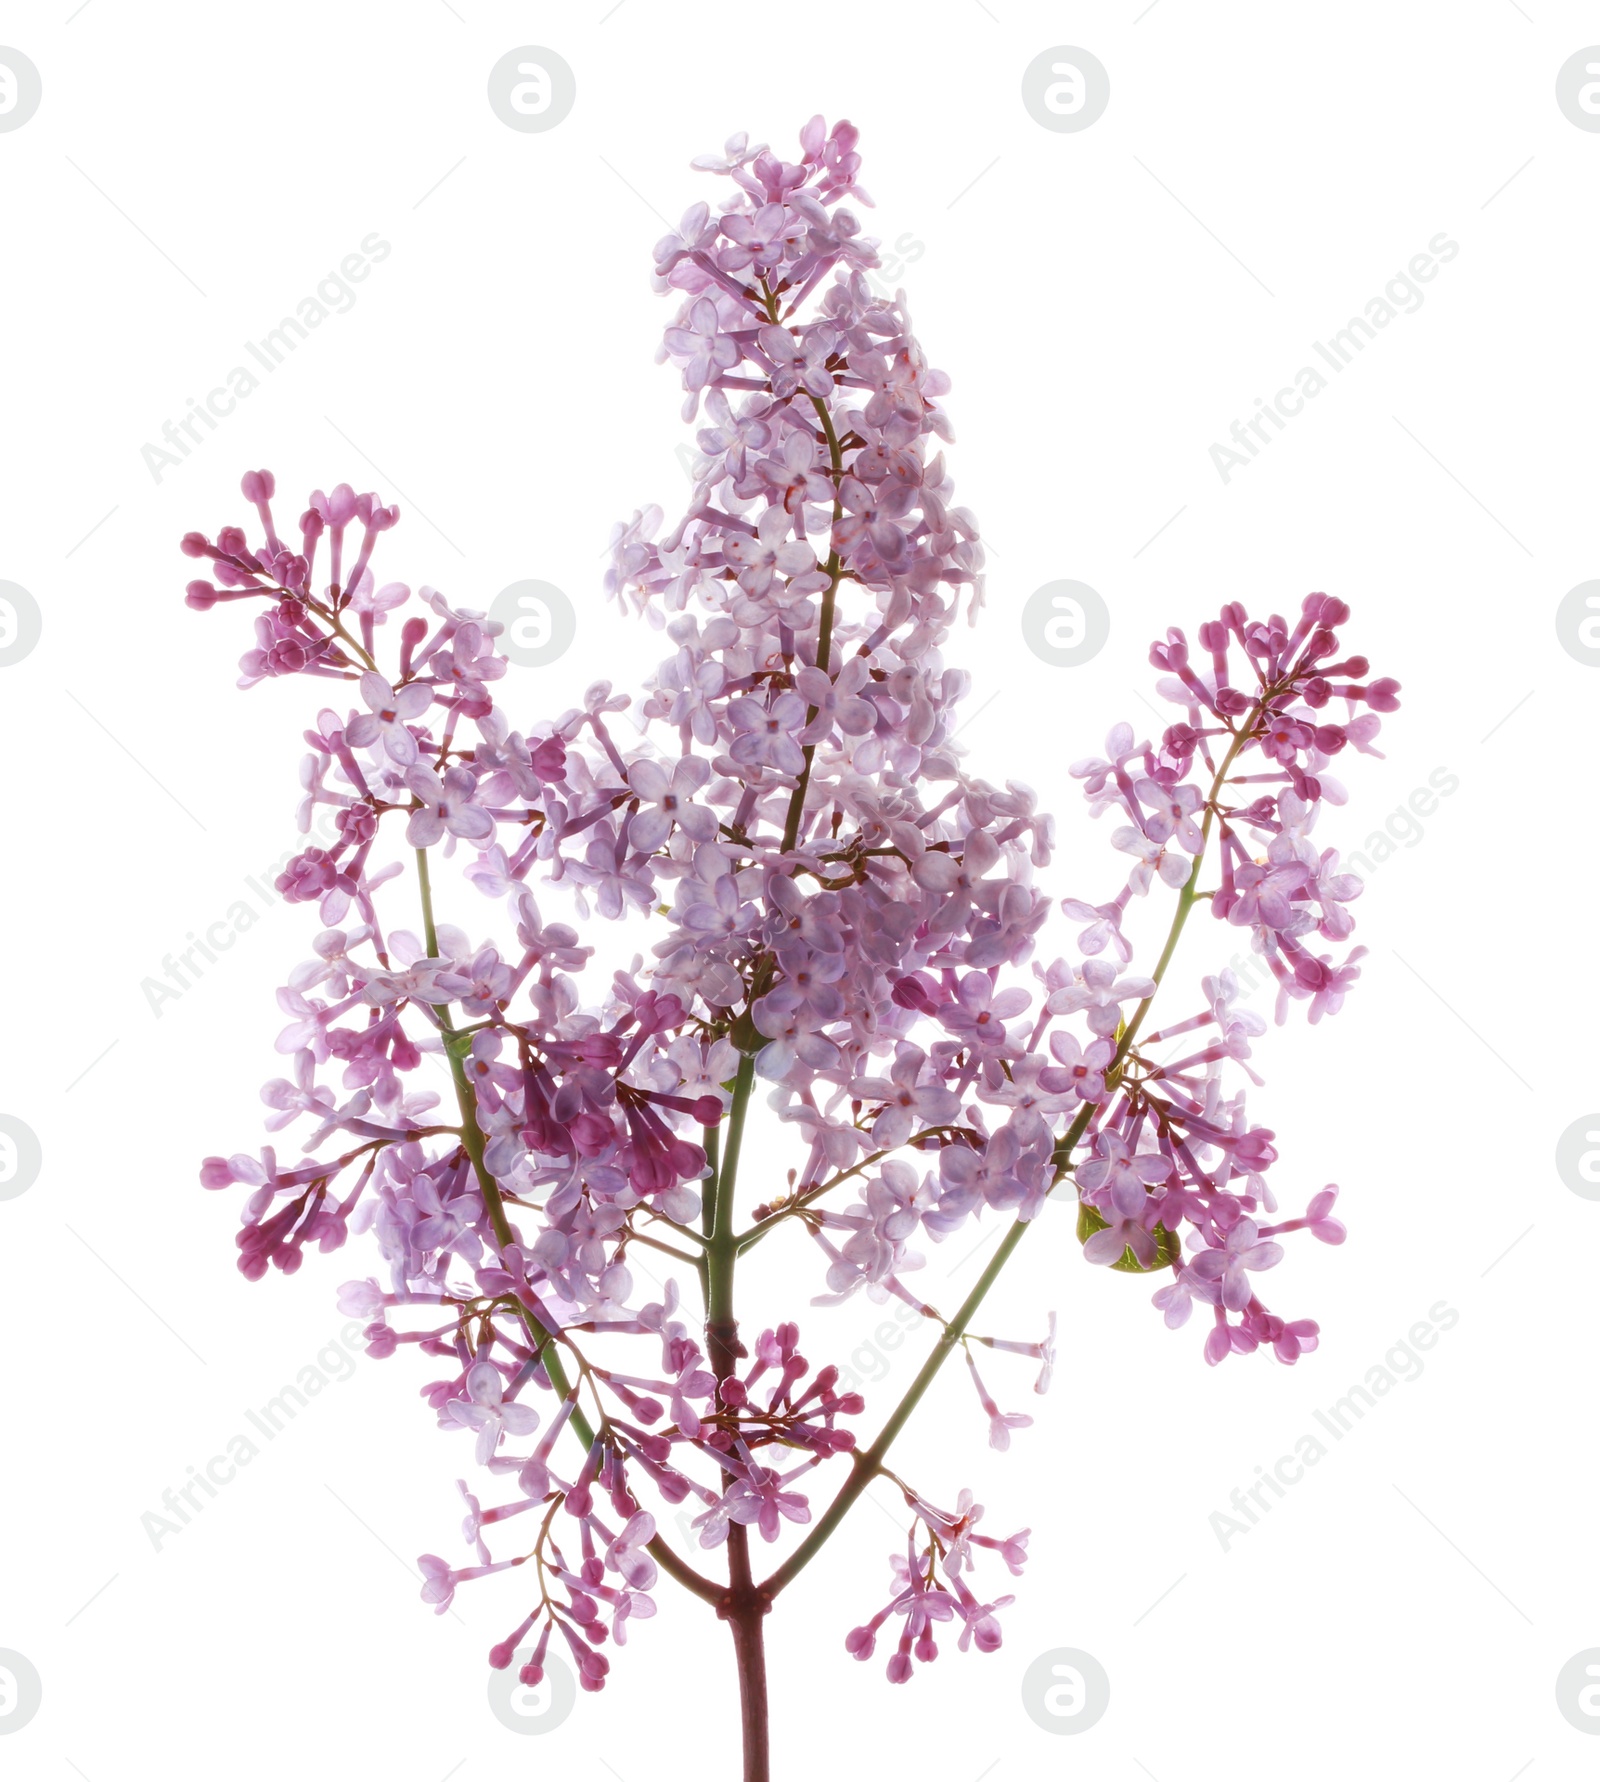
<point x="922" y="1596"/>
<point x="1169" y="1151"/>
<point x="833" y="905"/>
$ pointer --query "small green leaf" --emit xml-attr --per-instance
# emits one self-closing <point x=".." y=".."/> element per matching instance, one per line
<point x="1167" y="1252"/>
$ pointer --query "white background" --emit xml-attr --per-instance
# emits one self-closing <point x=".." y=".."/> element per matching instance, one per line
<point x="1107" y="303"/>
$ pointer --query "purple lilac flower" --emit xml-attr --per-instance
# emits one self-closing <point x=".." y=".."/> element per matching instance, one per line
<point x="831" y="902"/>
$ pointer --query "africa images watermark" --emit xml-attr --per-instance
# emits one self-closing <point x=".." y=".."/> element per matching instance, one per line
<point x="1403" y="826"/>
<point x="1401" y="1364"/>
<point x="334" y="295"/>
<point x="1402" y="295"/>
<point x="1401" y="829"/>
<point x="334" y="1364"/>
<point x="182" y="969"/>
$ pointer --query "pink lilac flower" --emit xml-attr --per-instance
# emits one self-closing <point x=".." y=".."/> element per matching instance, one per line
<point x="1228" y="1265"/>
<point x="485" y="1410"/>
<point x="389" y="716"/>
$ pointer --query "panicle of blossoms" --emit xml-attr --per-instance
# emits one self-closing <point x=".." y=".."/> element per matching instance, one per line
<point x="1175" y="1161"/>
<point x="930" y="1587"/>
<point x="835" y="906"/>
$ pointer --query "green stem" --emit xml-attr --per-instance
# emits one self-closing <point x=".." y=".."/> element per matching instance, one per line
<point x="640" y="1237"/>
<point x="754" y="1234"/>
<point x="1187" y="898"/>
<point x="544" y="1340"/>
<point x="870" y="1462"/>
<point x="721" y="1243"/>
